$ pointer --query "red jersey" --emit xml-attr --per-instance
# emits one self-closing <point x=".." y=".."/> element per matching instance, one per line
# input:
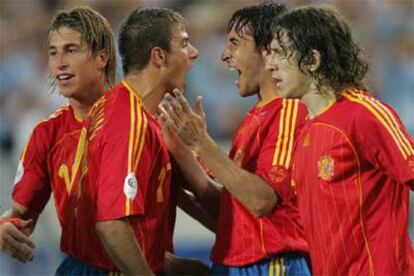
<point x="50" y="162"/>
<point x="262" y="145"/>
<point x="352" y="164"/>
<point x="128" y="175"/>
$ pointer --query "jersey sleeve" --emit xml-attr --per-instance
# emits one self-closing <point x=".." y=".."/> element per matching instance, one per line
<point x="275" y="158"/>
<point x="122" y="178"/>
<point x="385" y="143"/>
<point x="31" y="185"/>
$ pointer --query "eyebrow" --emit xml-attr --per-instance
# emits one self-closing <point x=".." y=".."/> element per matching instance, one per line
<point x="233" y="39"/>
<point x="65" y="46"/>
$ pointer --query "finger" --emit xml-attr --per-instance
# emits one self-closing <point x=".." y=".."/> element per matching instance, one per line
<point x="199" y="106"/>
<point x="165" y="118"/>
<point x="183" y="102"/>
<point x="13" y="233"/>
<point x="17" y="249"/>
<point x="174" y="116"/>
<point x="175" y="105"/>
<point x="27" y="226"/>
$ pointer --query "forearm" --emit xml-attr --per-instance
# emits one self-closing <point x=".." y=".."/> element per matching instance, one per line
<point x="251" y="190"/>
<point x="199" y="183"/>
<point x="118" y="239"/>
<point x="189" y="204"/>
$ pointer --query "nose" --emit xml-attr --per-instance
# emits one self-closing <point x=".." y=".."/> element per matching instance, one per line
<point x="193" y="52"/>
<point x="60" y="60"/>
<point x="225" y="55"/>
<point x="270" y="63"/>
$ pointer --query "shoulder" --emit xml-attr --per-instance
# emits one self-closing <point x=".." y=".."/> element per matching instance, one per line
<point x="367" y="109"/>
<point x="56" y="121"/>
<point x="115" y="111"/>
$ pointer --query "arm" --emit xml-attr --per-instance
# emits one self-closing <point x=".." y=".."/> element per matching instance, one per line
<point x="252" y="191"/>
<point x="189" y="204"/>
<point x="14" y="232"/>
<point x="206" y="190"/>
<point x="120" y="243"/>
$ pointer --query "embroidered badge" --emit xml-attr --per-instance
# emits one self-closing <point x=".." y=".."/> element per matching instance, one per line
<point x="326" y="166"/>
<point x="306" y="141"/>
<point x="277" y="174"/>
<point x="131" y="186"/>
<point x="19" y="173"/>
<point x="239" y="156"/>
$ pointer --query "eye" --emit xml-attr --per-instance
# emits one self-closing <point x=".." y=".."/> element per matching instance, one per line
<point x="52" y="53"/>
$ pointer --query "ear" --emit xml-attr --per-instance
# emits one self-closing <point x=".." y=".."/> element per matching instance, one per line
<point x="314" y="61"/>
<point x="102" y="59"/>
<point x="159" y="57"/>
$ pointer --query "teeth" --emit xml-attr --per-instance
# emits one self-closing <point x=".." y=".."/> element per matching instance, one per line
<point x="64" y="77"/>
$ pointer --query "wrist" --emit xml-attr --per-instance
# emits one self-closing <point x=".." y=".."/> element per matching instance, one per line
<point x="204" y="145"/>
<point x="16" y="221"/>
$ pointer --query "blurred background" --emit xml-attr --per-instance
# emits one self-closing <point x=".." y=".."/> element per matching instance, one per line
<point x="385" y="28"/>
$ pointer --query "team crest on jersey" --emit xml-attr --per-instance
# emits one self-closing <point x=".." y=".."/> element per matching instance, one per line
<point x="306" y="140"/>
<point x="326" y="165"/>
<point x="19" y="173"/>
<point x="239" y="156"/>
<point x="277" y="174"/>
<point x="130" y="186"/>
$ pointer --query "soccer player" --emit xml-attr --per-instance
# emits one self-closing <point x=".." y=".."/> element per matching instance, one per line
<point x="126" y="194"/>
<point x="82" y="66"/>
<point x="354" y="161"/>
<point x="258" y="228"/>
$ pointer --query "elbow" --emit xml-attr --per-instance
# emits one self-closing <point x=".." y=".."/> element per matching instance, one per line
<point x="264" y="207"/>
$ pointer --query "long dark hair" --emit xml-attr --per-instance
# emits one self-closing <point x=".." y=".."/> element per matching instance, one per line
<point x="259" y="18"/>
<point x="323" y="29"/>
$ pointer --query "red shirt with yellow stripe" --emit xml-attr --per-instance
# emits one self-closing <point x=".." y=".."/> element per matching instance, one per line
<point x="129" y="174"/>
<point x="262" y="145"/>
<point x="50" y="162"/>
<point x="352" y="166"/>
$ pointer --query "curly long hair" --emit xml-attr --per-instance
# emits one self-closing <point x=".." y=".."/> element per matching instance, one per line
<point x="321" y="28"/>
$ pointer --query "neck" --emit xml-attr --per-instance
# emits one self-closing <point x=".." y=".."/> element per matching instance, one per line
<point x="317" y="100"/>
<point x="149" y="87"/>
<point x="82" y="106"/>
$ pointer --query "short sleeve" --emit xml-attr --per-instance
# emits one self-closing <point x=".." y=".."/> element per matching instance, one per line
<point x="385" y="143"/>
<point x="274" y="162"/>
<point x="122" y="179"/>
<point x="31" y="185"/>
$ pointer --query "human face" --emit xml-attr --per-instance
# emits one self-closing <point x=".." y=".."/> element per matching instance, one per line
<point x="180" y="58"/>
<point x="76" y="72"/>
<point x="291" y="81"/>
<point x="241" y="55"/>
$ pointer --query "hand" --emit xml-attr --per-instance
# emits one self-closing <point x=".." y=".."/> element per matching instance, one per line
<point x="189" y="126"/>
<point x="173" y="143"/>
<point x="14" y="240"/>
<point x="182" y="266"/>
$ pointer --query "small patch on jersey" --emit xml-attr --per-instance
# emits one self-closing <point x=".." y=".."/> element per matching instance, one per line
<point x="277" y="174"/>
<point x="306" y="141"/>
<point x="19" y="173"/>
<point x="239" y="156"/>
<point x="326" y="165"/>
<point x="131" y="186"/>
